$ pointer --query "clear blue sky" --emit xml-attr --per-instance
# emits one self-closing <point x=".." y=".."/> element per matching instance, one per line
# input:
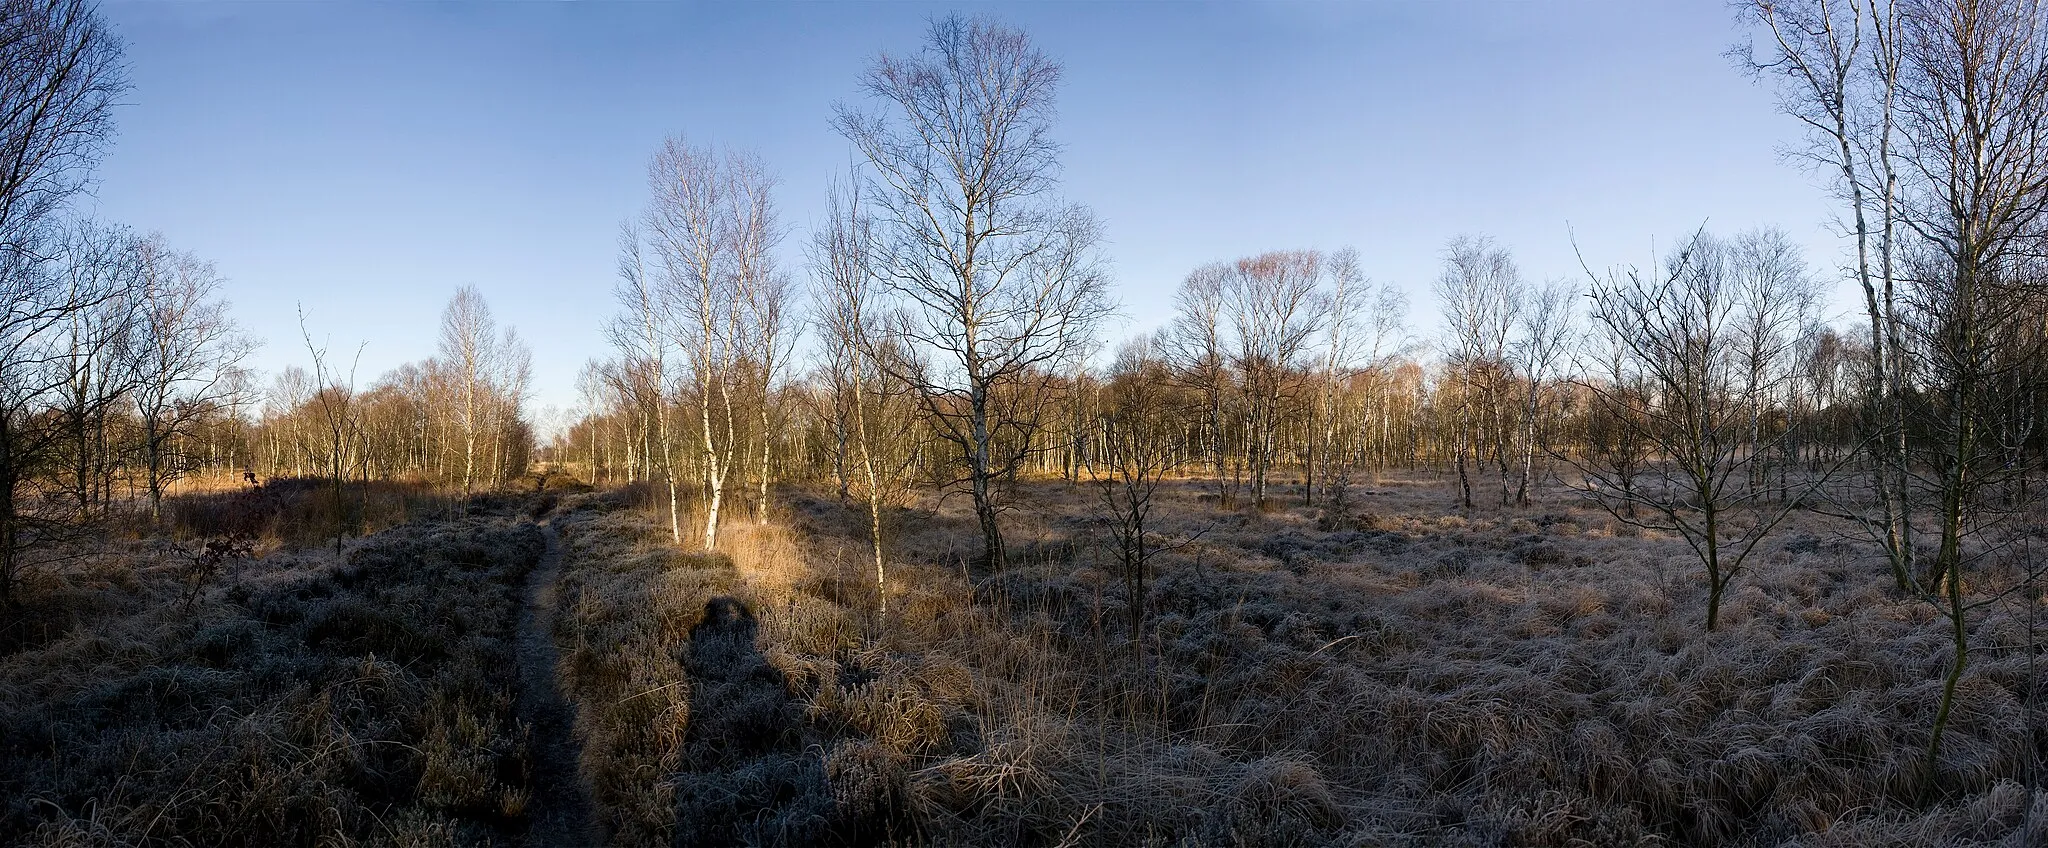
<point x="365" y="160"/>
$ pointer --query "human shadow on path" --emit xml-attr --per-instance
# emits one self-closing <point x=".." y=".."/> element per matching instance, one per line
<point x="751" y="773"/>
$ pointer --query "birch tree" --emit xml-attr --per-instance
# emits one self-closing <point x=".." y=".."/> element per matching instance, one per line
<point x="1275" y="305"/>
<point x="469" y="350"/>
<point x="843" y="253"/>
<point x="718" y="298"/>
<point x="1836" y="64"/>
<point x="765" y="331"/>
<point x="1972" y="105"/>
<point x="1481" y="292"/>
<point x="641" y="377"/>
<point x="1539" y="354"/>
<point x="1362" y="323"/>
<point x="998" y="279"/>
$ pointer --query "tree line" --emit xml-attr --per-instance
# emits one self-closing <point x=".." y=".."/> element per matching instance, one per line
<point x="454" y="419"/>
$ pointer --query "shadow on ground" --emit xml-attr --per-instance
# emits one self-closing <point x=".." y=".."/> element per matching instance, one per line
<point x="750" y="774"/>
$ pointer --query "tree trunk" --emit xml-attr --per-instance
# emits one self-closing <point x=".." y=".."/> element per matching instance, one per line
<point x="874" y="500"/>
<point x="152" y="445"/>
<point x="980" y="476"/>
<point x="10" y="547"/>
<point x="468" y="439"/>
<point x="714" y="477"/>
<point x="1716" y="582"/>
<point x="767" y="441"/>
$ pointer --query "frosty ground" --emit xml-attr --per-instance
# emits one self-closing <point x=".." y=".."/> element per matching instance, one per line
<point x="1401" y="672"/>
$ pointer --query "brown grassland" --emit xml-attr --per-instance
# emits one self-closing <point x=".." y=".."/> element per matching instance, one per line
<point x="1403" y="674"/>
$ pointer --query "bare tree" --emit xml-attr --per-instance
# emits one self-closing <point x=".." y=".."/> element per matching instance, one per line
<point x="1616" y="433"/>
<point x="1972" y="106"/>
<point x="95" y="351"/>
<point x="1684" y="391"/>
<point x="765" y="333"/>
<point x="289" y="391"/>
<point x="489" y="372"/>
<point x="1350" y="312"/>
<point x="700" y="253"/>
<point x="1837" y="64"/>
<point x="468" y="349"/>
<point x="1275" y="305"/>
<point x="1133" y="457"/>
<point x="187" y="357"/>
<point x="1195" y="344"/>
<point x="40" y="304"/>
<point x="998" y="280"/>
<point x="512" y="437"/>
<point x="642" y="376"/>
<point x="1776" y="307"/>
<point x="843" y="253"/>
<point x="837" y="357"/>
<point x="1481" y="290"/>
<point x="1932" y="116"/>
<point x="60" y="71"/>
<point x="333" y="396"/>
<point x="1546" y="334"/>
<point x="596" y="389"/>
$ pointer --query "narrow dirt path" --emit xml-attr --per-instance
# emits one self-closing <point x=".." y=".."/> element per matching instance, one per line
<point x="561" y="812"/>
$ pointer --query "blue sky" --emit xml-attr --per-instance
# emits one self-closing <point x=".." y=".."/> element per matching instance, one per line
<point x="366" y="160"/>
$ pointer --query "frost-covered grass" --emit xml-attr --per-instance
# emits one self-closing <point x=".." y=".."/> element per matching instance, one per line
<point x="1402" y="674"/>
<point x="305" y="698"/>
<point x="1423" y="675"/>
